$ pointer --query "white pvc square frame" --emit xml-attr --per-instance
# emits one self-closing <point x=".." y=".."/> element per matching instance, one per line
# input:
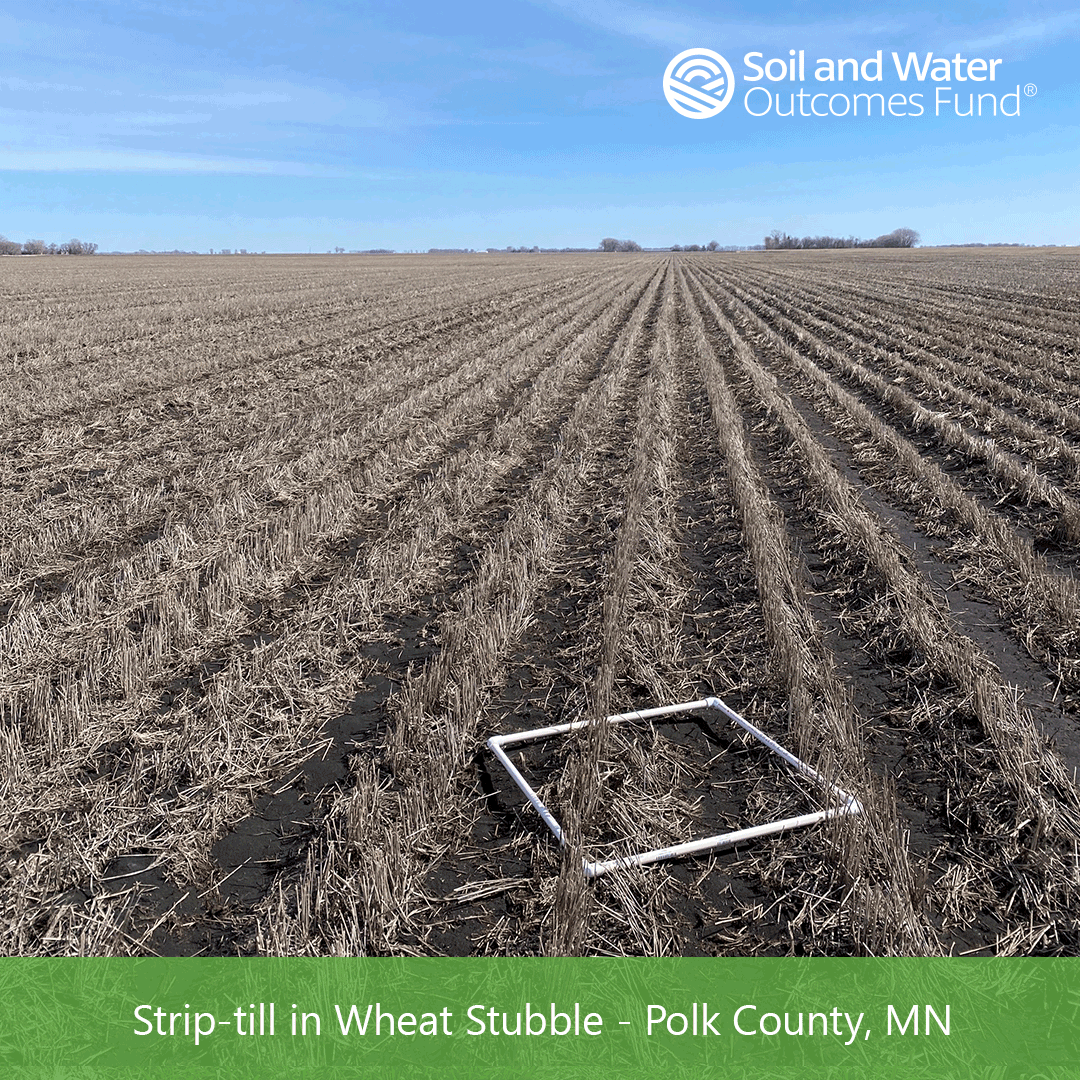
<point x="844" y="803"/>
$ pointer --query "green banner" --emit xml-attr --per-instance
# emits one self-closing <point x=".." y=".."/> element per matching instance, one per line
<point x="539" y="1017"/>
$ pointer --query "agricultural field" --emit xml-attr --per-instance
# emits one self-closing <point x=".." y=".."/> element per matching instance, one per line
<point x="285" y="540"/>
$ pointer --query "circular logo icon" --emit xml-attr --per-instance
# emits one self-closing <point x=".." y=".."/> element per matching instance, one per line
<point x="698" y="83"/>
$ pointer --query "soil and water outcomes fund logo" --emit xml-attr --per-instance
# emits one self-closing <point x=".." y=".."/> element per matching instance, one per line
<point x="698" y="83"/>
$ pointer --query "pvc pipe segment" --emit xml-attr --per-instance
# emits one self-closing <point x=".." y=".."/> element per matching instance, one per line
<point x="847" y="804"/>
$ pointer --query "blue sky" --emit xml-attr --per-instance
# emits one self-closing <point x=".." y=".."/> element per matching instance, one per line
<point x="289" y="126"/>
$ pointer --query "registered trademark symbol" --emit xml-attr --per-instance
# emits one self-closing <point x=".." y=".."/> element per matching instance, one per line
<point x="1031" y="89"/>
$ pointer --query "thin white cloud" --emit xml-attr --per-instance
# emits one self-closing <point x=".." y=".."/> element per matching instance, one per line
<point x="141" y="161"/>
<point x="674" y="30"/>
<point x="634" y="21"/>
<point x="313" y="104"/>
<point x="238" y="99"/>
<point x="1028" y="31"/>
<point x="14" y="83"/>
<point x="150" y="119"/>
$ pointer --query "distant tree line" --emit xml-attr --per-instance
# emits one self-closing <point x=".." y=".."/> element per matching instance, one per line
<point x="39" y="247"/>
<point x="898" y="238"/>
<point x="609" y="243"/>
